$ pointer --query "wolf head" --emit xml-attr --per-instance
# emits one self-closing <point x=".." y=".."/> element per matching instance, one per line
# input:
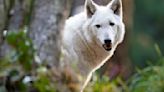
<point x="105" y="23"/>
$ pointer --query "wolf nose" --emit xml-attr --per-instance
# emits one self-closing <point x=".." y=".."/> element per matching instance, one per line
<point x="107" y="41"/>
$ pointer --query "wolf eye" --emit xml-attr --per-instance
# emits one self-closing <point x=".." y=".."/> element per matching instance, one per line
<point x="111" y="24"/>
<point x="98" y="26"/>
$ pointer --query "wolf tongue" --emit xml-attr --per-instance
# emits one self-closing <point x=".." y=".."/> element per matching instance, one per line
<point x="107" y="46"/>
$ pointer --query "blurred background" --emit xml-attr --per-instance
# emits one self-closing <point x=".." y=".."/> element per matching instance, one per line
<point x="30" y="44"/>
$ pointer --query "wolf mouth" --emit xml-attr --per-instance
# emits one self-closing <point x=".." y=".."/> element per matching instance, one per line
<point x="107" y="47"/>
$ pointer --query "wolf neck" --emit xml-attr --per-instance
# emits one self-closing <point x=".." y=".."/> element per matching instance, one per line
<point x="90" y="54"/>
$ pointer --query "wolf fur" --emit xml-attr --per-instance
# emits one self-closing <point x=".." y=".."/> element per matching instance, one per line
<point x="85" y="34"/>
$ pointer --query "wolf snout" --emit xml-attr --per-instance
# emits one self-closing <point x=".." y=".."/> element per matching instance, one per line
<point x="107" y="44"/>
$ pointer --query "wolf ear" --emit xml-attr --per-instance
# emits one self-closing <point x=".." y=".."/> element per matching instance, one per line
<point x="116" y="6"/>
<point x="90" y="8"/>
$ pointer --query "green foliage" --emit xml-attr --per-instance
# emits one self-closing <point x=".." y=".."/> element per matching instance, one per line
<point x="102" y="85"/>
<point x="23" y="50"/>
<point x="43" y="84"/>
<point x="19" y="62"/>
<point x="151" y="78"/>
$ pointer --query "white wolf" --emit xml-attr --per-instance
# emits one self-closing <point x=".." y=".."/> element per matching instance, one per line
<point x="91" y="37"/>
